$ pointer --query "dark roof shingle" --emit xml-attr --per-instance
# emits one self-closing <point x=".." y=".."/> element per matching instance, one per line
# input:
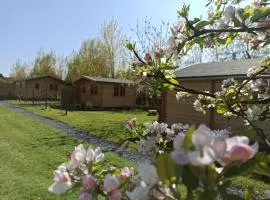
<point x="217" y="70"/>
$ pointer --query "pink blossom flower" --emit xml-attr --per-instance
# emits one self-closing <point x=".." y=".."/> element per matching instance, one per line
<point x="238" y="149"/>
<point x="132" y="123"/>
<point x="148" y="58"/>
<point x="85" y="196"/>
<point x="115" y="195"/>
<point x="126" y="173"/>
<point x="89" y="182"/>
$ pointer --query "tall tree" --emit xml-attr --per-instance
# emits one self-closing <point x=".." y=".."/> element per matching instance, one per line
<point x="19" y="70"/>
<point x="44" y="64"/>
<point x="114" y="41"/>
<point x="89" y="60"/>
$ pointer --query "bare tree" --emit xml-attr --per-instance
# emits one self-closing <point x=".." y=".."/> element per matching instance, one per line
<point x="149" y="37"/>
<point x="113" y="40"/>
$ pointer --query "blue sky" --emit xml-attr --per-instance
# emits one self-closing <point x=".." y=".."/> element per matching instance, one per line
<point x="28" y="25"/>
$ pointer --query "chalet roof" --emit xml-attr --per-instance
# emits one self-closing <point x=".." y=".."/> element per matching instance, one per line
<point x="106" y="80"/>
<point x="218" y="70"/>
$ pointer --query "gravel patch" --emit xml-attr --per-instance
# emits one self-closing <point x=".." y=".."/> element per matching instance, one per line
<point x="91" y="139"/>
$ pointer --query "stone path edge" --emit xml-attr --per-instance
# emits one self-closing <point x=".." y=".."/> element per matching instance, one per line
<point x="77" y="133"/>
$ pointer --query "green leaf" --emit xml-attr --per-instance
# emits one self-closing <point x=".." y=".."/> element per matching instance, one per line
<point x="169" y="67"/>
<point x="262" y="169"/>
<point x="184" y="11"/>
<point x="173" y="81"/>
<point x="200" y="42"/>
<point x="167" y="86"/>
<point x="260" y="14"/>
<point x="202" y="24"/>
<point x="221" y="108"/>
<point x="221" y="41"/>
<point x="230" y="38"/>
<point x="248" y="193"/>
<point x="266" y="42"/>
<point x="236" y="169"/>
<point x="166" y="169"/>
<point x="189" y="179"/>
<point x="130" y="46"/>
<point x="188" y="143"/>
<point x="230" y="93"/>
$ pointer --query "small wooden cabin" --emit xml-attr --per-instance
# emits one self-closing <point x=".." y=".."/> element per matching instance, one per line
<point x="105" y="92"/>
<point x="6" y="90"/>
<point x="39" y="88"/>
<point x="206" y="76"/>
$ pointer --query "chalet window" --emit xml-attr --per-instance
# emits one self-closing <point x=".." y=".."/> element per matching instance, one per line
<point x="122" y="90"/>
<point x="116" y="91"/>
<point x="93" y="89"/>
<point x="37" y="86"/>
<point x="55" y="87"/>
<point x="51" y="86"/>
<point x="83" y="89"/>
<point x="20" y="84"/>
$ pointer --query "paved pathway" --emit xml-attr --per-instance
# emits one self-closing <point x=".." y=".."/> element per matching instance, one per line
<point x="105" y="145"/>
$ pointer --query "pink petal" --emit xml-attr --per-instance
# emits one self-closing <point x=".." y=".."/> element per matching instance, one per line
<point x="230" y="142"/>
<point x="241" y="152"/>
<point x="115" y="195"/>
<point x="219" y="147"/>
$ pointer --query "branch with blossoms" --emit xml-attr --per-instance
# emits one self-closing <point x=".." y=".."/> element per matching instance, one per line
<point x="223" y="26"/>
<point x="202" y="160"/>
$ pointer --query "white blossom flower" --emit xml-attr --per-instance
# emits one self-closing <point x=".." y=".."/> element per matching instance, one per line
<point x="228" y="114"/>
<point x="148" y="173"/>
<point x="163" y="60"/>
<point x="198" y="106"/>
<point x="157" y="128"/>
<point x="62" y="181"/>
<point x="180" y="95"/>
<point x="227" y="83"/>
<point x="254" y="112"/>
<point x="148" y="146"/>
<point x="171" y="45"/>
<point x="255" y="85"/>
<point x="207" y="148"/>
<point x="77" y="156"/>
<point x="229" y="12"/>
<point x="139" y="193"/>
<point x="251" y="71"/>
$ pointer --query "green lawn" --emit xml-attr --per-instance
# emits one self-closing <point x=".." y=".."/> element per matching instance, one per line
<point x="108" y="125"/>
<point x="30" y="151"/>
<point x="35" y="154"/>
